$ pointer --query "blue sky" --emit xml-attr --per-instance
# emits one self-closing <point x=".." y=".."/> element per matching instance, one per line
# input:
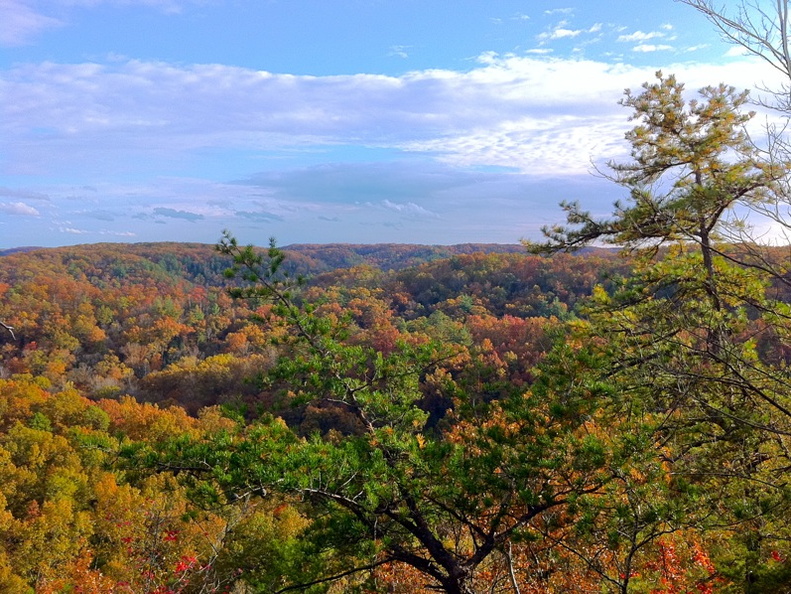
<point x="314" y="121"/>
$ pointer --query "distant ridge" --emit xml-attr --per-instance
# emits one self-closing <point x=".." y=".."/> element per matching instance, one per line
<point x="302" y="258"/>
<point x="387" y="256"/>
<point x="16" y="250"/>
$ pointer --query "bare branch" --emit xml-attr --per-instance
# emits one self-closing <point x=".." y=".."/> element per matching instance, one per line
<point x="761" y="33"/>
<point x="9" y="328"/>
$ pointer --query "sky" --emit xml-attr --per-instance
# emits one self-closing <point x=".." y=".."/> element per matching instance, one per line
<point x="319" y="121"/>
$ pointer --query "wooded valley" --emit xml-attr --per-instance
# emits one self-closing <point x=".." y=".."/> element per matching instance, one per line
<point x="356" y="431"/>
<point x="120" y="354"/>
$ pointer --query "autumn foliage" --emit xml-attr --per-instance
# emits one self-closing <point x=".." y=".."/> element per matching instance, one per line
<point x="121" y="353"/>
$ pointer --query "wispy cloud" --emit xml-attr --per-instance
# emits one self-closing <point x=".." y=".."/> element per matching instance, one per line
<point x="639" y="36"/>
<point x="122" y="234"/>
<point x="559" y="11"/>
<point x="104" y="116"/>
<point x="399" y="50"/>
<point x="73" y="231"/>
<point x="24" y="20"/>
<point x="177" y="214"/>
<point x="259" y="216"/>
<point x="24" y="194"/>
<point x="18" y="208"/>
<point x="100" y="215"/>
<point x="22" y="23"/>
<point x="561" y="31"/>
<point x="408" y="208"/>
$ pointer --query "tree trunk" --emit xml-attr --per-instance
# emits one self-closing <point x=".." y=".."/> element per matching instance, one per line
<point x="460" y="585"/>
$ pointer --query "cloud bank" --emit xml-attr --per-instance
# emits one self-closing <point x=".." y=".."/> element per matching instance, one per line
<point x="504" y="112"/>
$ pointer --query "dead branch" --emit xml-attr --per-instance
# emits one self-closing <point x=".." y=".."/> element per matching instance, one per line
<point x="9" y="328"/>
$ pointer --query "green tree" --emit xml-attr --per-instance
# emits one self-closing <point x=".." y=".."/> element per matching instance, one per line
<point x="692" y="166"/>
<point x="447" y="503"/>
<point x="677" y="342"/>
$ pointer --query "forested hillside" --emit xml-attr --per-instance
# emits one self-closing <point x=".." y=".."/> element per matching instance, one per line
<point x="121" y="363"/>
<point x="97" y="334"/>
<point x="113" y="318"/>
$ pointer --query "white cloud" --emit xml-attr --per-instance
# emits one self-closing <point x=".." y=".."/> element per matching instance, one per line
<point x="19" y="208"/>
<point x="647" y="48"/>
<point x="639" y="36"/>
<point x="505" y="111"/>
<point x="737" y="51"/>
<point x="408" y="208"/>
<point x="562" y="32"/>
<point x="559" y="33"/>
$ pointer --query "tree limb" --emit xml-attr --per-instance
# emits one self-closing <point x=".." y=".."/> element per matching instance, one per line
<point x="9" y="328"/>
<point x="332" y="578"/>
